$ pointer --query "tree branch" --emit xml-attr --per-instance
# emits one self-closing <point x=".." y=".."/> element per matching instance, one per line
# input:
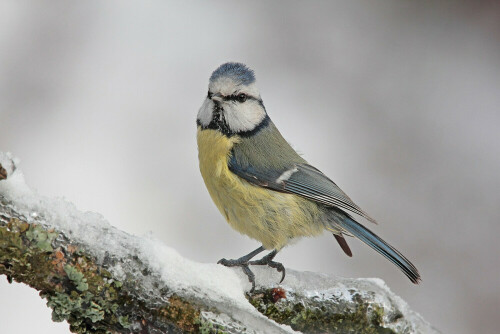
<point x="102" y="280"/>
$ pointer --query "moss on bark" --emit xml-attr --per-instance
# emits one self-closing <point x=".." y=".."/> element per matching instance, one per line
<point x="317" y="316"/>
<point x="79" y="291"/>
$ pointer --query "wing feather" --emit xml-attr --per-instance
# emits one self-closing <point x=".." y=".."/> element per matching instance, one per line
<point x="303" y="180"/>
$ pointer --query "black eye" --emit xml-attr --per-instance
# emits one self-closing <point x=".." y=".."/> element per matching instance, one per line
<point x="209" y="95"/>
<point x="242" y="97"/>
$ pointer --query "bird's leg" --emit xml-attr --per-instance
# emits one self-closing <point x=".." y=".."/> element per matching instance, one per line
<point x="241" y="260"/>
<point x="268" y="260"/>
<point x="243" y="263"/>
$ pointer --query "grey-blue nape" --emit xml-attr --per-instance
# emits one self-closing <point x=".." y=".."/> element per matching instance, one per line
<point x="237" y="71"/>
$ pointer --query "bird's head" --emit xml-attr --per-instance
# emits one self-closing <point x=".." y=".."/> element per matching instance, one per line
<point x="233" y="104"/>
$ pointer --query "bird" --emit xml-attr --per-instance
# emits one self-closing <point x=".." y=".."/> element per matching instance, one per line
<point x="262" y="186"/>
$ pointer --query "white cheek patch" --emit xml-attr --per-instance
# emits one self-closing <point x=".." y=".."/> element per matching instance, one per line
<point x="286" y="175"/>
<point x="205" y="112"/>
<point x="239" y="116"/>
<point x="243" y="116"/>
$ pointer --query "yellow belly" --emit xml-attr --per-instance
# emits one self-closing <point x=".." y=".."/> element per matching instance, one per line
<point x="271" y="217"/>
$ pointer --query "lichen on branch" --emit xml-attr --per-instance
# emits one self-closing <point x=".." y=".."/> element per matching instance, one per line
<point x="76" y="288"/>
<point x="102" y="280"/>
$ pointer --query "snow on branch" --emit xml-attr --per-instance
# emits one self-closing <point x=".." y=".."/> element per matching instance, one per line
<point x="102" y="280"/>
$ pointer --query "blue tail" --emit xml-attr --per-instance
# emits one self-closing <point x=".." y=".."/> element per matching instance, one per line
<point x="372" y="240"/>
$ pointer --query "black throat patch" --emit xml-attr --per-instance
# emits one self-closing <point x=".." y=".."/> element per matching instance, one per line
<point x="218" y="121"/>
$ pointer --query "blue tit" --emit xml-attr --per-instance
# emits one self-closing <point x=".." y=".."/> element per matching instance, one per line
<point x="262" y="186"/>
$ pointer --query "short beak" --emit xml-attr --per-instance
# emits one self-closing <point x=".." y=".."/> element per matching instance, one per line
<point x="217" y="97"/>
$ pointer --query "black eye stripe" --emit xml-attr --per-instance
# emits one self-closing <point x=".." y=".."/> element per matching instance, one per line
<point x="237" y="97"/>
<point x="230" y="98"/>
<point x="240" y="97"/>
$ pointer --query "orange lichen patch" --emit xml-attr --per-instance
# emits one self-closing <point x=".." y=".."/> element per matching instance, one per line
<point x="3" y="173"/>
<point x="16" y="225"/>
<point x="83" y="264"/>
<point x="183" y="314"/>
<point x="59" y="255"/>
<point x="71" y="249"/>
<point x="59" y="260"/>
<point x="277" y="294"/>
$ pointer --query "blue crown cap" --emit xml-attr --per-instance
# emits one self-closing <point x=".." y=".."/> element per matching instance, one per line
<point x="237" y="71"/>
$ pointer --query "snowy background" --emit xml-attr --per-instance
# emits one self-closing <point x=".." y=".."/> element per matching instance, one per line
<point x="399" y="103"/>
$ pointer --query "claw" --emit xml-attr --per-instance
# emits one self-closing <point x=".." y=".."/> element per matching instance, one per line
<point x="244" y="266"/>
<point x="228" y="263"/>
<point x="250" y="275"/>
<point x="244" y="263"/>
<point x="279" y="267"/>
<point x="268" y="260"/>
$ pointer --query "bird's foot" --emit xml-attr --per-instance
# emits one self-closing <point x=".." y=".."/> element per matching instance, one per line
<point x="244" y="266"/>
<point x="268" y="260"/>
<point x="244" y="262"/>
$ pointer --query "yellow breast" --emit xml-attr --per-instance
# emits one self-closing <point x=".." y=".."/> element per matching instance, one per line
<point x="271" y="217"/>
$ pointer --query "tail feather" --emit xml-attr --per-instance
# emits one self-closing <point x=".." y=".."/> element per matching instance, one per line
<point x="343" y="244"/>
<point x="375" y="242"/>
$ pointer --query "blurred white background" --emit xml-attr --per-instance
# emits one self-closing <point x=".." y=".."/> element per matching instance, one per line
<point x="398" y="102"/>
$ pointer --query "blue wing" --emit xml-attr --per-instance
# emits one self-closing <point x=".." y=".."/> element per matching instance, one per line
<point x="300" y="179"/>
